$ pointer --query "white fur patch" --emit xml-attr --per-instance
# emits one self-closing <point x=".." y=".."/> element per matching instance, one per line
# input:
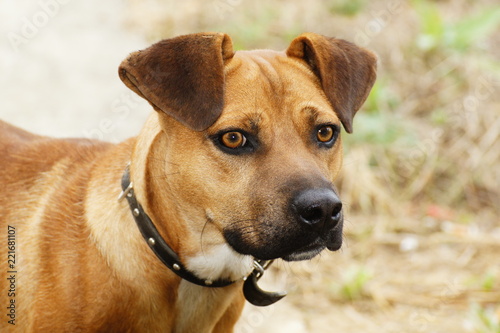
<point x="220" y="262"/>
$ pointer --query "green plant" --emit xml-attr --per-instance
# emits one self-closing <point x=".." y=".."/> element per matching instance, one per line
<point x="353" y="284"/>
<point x="484" y="319"/>
<point x="435" y="31"/>
<point x="347" y="7"/>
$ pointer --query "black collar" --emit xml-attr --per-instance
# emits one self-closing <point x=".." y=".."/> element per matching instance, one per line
<point x="167" y="255"/>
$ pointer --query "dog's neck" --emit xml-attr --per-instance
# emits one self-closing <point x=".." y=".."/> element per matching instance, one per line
<point x="137" y="265"/>
<point x="149" y="133"/>
<point x="208" y="260"/>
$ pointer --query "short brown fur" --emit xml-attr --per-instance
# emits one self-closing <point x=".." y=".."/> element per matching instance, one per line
<point x="82" y="264"/>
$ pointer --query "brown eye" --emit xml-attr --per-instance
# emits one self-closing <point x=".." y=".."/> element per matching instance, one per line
<point x="233" y="140"/>
<point x="325" y="134"/>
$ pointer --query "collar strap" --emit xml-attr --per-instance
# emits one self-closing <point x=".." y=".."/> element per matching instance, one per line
<point x="156" y="242"/>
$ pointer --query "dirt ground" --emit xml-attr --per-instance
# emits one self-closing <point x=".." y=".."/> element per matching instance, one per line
<point x="417" y="268"/>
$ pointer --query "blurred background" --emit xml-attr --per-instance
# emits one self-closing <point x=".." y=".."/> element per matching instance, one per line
<point x="421" y="175"/>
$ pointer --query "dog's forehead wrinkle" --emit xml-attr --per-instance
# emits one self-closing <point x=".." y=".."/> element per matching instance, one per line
<point x="271" y="75"/>
<point x="259" y="68"/>
<point x="264" y="85"/>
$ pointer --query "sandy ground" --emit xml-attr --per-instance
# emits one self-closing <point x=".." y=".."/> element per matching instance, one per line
<point x="58" y="66"/>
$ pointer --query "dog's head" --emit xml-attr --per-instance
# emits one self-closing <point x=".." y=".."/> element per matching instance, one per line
<point x="252" y="138"/>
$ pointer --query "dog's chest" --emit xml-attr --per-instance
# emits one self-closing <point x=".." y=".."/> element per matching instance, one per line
<point x="199" y="309"/>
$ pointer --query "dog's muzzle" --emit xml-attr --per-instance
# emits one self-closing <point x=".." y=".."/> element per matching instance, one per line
<point x="310" y="221"/>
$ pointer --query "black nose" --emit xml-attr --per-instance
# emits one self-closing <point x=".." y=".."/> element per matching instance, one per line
<point x="320" y="209"/>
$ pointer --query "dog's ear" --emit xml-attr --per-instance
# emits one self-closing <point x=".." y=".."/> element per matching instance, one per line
<point x="346" y="71"/>
<point x="182" y="77"/>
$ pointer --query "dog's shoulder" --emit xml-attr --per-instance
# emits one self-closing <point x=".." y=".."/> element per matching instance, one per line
<point x="11" y="135"/>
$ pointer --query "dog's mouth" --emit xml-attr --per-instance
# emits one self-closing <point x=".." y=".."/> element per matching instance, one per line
<point x="312" y="223"/>
<point x="313" y="249"/>
<point x="287" y="248"/>
<point x="305" y="253"/>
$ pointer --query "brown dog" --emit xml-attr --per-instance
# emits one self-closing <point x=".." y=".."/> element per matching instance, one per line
<point x="237" y="164"/>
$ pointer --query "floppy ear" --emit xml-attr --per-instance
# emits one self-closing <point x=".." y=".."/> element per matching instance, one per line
<point x="182" y="77"/>
<point x="346" y="71"/>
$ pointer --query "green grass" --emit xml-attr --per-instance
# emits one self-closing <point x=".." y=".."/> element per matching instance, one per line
<point x="353" y="284"/>
<point x="347" y="7"/>
<point x="459" y="35"/>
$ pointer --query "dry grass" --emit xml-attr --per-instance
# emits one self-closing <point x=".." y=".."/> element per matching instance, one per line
<point x="421" y="175"/>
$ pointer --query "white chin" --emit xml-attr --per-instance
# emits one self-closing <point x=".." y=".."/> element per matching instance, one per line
<point x="220" y="262"/>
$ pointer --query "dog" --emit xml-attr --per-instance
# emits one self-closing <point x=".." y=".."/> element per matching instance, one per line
<point x="233" y="168"/>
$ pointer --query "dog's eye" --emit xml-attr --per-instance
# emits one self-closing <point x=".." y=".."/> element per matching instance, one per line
<point x="233" y="140"/>
<point x="326" y="135"/>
